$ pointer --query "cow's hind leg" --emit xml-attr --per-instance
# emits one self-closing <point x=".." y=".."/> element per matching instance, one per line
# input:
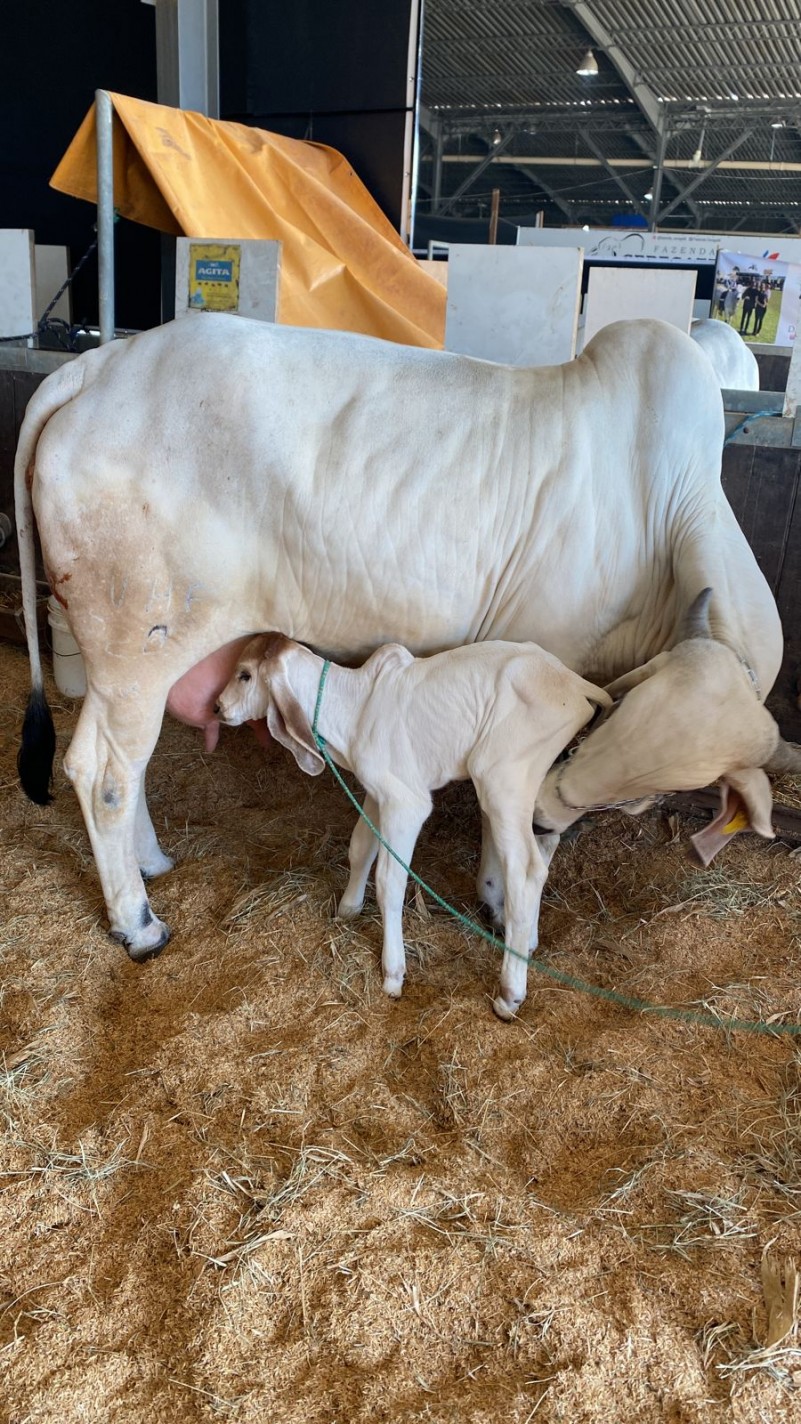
<point x="151" y="858"/>
<point x="106" y="763"/>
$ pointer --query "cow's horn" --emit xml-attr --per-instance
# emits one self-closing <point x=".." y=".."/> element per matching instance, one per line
<point x="696" y="620"/>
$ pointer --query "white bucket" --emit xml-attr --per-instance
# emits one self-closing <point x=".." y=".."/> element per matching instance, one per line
<point x="68" y="668"/>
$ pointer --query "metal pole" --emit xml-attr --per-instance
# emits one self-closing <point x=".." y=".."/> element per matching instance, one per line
<point x="104" y="119"/>
<point x="494" y="211"/>
<point x="411" y="140"/>
<point x="659" y="168"/>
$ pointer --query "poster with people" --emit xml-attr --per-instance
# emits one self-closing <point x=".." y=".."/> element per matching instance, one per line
<point x="758" y="296"/>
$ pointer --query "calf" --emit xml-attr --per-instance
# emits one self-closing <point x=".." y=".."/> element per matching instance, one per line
<point x="498" y="713"/>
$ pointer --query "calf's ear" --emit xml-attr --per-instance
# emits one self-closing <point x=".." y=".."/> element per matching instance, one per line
<point x="290" y="726"/>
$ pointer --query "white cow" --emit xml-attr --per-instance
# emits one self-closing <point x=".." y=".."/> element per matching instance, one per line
<point x="499" y="713"/>
<point x="734" y="364"/>
<point x="216" y="476"/>
<point x="718" y="730"/>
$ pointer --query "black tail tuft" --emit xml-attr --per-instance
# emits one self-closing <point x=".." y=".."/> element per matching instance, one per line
<point x="35" y="756"/>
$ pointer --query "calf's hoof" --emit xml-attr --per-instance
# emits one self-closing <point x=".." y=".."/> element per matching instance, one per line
<point x="505" y="1009"/>
<point x="393" y="985"/>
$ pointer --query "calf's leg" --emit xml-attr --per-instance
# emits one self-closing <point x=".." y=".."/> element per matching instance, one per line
<point x="151" y="858"/>
<point x="362" y="852"/>
<point x="524" y="860"/>
<point x="489" y="881"/>
<point x="400" y="826"/>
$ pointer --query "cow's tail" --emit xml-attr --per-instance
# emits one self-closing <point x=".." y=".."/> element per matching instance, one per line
<point x="786" y="758"/>
<point x="35" y="757"/>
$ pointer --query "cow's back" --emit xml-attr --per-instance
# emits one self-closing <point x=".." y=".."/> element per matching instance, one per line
<point x="217" y="476"/>
<point x="734" y="364"/>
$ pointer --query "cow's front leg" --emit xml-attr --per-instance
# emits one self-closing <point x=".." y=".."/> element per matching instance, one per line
<point x="151" y="858"/>
<point x="106" y="763"/>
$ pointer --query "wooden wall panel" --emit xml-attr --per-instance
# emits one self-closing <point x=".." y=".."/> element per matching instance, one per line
<point x="772" y="370"/>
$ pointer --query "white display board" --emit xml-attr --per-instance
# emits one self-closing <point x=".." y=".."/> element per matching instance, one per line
<point x="622" y="294"/>
<point x="620" y="244"/>
<point x="515" y="305"/>
<point x="228" y="274"/>
<point x="17" y="314"/>
<point x="51" y="269"/>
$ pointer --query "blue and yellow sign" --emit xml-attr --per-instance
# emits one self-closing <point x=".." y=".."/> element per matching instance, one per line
<point x="214" y="276"/>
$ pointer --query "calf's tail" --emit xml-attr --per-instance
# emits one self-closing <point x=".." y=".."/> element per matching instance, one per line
<point x="38" y="748"/>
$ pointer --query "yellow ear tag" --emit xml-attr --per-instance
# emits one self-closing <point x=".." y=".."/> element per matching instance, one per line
<point x="738" y="822"/>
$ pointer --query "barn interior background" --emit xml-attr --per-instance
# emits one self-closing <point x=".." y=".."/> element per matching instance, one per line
<point x="239" y="1183"/>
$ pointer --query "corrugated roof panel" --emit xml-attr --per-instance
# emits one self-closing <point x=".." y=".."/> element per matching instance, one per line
<point x="701" y="51"/>
<point x="739" y="59"/>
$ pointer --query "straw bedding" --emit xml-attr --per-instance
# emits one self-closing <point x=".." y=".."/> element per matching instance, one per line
<point x="238" y="1183"/>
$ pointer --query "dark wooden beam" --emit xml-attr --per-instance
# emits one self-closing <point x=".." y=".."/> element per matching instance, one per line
<point x="786" y="819"/>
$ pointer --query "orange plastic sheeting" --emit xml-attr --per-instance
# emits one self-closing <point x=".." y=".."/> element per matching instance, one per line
<point x="343" y="266"/>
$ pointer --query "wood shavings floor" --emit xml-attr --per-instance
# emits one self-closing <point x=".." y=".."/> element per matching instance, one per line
<point x="238" y="1183"/>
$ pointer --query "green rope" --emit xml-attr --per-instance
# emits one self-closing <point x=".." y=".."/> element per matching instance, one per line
<point x="743" y="424"/>
<point x="569" y="981"/>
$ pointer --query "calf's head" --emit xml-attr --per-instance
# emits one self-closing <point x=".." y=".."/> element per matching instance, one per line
<point x="262" y="686"/>
<point x="689" y="717"/>
<point x="244" y="697"/>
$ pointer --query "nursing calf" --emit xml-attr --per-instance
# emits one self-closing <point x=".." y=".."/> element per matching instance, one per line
<point x="498" y="713"/>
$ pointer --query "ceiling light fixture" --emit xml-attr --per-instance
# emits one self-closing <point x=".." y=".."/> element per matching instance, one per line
<point x="589" y="65"/>
<point x="777" y="123"/>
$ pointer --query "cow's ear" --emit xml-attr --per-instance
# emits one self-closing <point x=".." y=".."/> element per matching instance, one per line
<point x="290" y="726"/>
<point x="754" y="787"/>
<point x="632" y="679"/>
<point x="746" y="804"/>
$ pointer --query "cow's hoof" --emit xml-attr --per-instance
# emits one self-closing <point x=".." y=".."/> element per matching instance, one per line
<point x="393" y="985"/>
<point x="148" y="942"/>
<point x="504" y="1010"/>
<point x="157" y="865"/>
<point x="141" y="953"/>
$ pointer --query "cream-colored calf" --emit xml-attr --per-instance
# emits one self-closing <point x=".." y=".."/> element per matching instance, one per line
<point x="498" y="713"/>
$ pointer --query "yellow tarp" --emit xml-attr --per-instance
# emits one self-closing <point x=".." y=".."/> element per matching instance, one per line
<point x="343" y="266"/>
